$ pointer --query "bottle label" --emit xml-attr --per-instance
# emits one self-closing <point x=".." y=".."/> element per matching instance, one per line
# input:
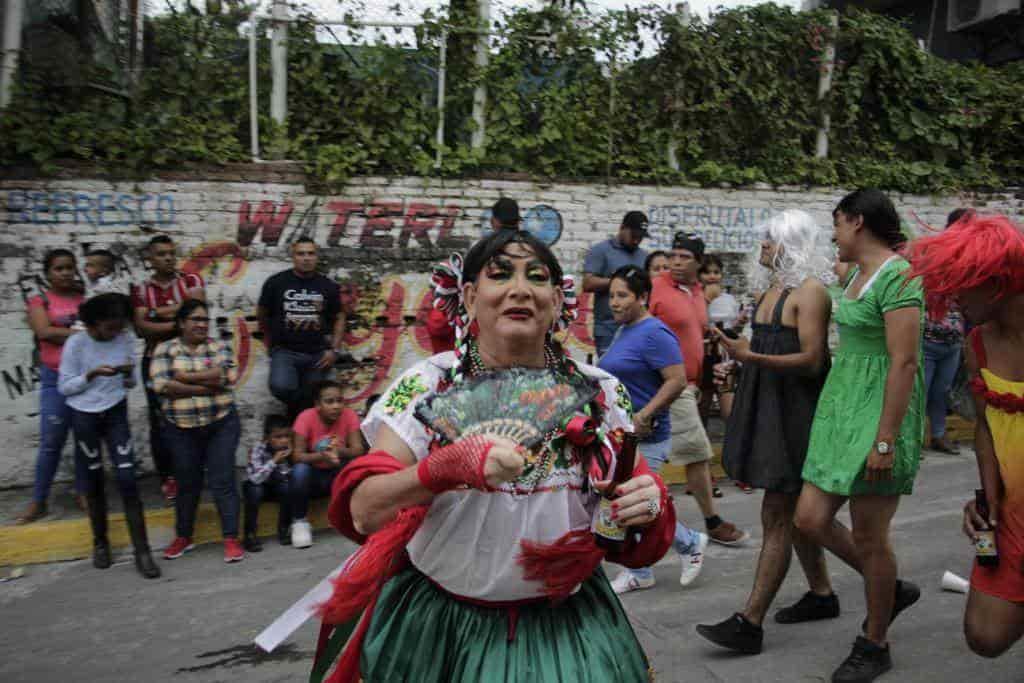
<point x="603" y="525"/>
<point x="985" y="545"/>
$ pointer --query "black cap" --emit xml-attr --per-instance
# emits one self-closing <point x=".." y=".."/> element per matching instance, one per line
<point x="637" y="222"/>
<point x="691" y="242"/>
<point x="506" y="212"/>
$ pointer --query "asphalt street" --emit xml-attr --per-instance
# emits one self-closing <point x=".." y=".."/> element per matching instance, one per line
<point x="69" y="622"/>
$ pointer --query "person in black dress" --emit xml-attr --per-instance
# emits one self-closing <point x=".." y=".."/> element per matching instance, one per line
<point x="783" y="371"/>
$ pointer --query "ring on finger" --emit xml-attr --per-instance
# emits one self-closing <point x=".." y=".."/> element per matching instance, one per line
<point x="653" y="507"/>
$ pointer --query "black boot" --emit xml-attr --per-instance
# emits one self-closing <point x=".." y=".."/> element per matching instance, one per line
<point x="137" y="530"/>
<point x="96" y="501"/>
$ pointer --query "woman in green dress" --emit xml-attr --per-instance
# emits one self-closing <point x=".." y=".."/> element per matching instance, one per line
<point x="866" y="439"/>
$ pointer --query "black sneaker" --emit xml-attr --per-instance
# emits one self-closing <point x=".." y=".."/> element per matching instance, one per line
<point x="101" y="554"/>
<point x="866" y="662"/>
<point x="907" y="593"/>
<point x="252" y="544"/>
<point x="735" y="633"/>
<point x="811" y="607"/>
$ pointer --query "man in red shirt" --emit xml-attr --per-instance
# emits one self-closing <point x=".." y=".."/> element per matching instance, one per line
<point x="677" y="299"/>
<point x="156" y="301"/>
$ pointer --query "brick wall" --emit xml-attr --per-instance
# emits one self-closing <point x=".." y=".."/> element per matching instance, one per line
<point x="378" y="237"/>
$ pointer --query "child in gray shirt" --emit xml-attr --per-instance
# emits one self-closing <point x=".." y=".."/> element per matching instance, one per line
<point x="96" y="369"/>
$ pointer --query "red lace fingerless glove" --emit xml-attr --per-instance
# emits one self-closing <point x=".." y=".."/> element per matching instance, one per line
<point x="459" y="465"/>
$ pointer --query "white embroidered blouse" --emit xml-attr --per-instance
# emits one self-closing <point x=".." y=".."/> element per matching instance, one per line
<point x="469" y="541"/>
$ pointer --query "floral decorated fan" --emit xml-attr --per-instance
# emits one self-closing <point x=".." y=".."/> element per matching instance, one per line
<point x="520" y="404"/>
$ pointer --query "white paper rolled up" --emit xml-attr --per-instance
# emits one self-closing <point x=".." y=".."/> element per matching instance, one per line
<point x="954" y="583"/>
<point x="296" y="615"/>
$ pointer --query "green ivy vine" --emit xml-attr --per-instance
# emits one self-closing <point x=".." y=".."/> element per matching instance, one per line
<point x="570" y="95"/>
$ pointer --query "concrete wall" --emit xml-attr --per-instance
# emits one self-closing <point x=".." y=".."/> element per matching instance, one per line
<point x="378" y="237"/>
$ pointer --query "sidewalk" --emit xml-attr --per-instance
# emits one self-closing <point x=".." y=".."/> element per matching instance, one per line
<point x="64" y="534"/>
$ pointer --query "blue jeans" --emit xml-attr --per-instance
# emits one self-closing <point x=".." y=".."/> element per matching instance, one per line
<point x="209" y="449"/>
<point x="309" y="482"/>
<point x="292" y="376"/>
<point x="110" y="427"/>
<point x="54" y="425"/>
<point x="163" y="460"/>
<point x="276" y="487"/>
<point x="941" y="361"/>
<point x="686" y="539"/>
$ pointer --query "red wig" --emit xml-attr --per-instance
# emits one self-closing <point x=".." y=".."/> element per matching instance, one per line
<point x="976" y="250"/>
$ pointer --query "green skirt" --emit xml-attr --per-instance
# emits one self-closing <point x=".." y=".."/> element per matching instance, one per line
<point x="420" y="634"/>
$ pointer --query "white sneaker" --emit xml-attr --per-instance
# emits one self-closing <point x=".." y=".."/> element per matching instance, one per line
<point x="302" y="534"/>
<point x="693" y="562"/>
<point x="626" y="582"/>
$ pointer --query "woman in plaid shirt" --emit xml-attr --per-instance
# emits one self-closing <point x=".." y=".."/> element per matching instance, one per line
<point x="193" y="375"/>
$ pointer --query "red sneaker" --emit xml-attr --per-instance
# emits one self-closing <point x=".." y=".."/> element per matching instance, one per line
<point x="178" y="547"/>
<point x="233" y="551"/>
<point x="170" y="489"/>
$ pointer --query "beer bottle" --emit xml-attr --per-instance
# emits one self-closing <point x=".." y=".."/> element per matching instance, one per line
<point x="607" y="532"/>
<point x="985" y="542"/>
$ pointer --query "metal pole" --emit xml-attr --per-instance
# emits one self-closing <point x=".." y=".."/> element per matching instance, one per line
<point x="254" y="111"/>
<point x="611" y="117"/>
<point x="482" y="59"/>
<point x="931" y="24"/>
<point x="11" y="48"/>
<point x="825" y="85"/>
<point x="279" y="63"/>
<point x="442" y="71"/>
<point x="136" y="17"/>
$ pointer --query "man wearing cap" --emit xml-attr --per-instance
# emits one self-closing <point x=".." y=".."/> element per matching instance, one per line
<point x="505" y="214"/>
<point x="602" y="260"/>
<point x="677" y="299"/>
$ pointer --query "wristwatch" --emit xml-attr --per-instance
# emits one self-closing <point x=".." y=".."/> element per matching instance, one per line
<point x="883" y="447"/>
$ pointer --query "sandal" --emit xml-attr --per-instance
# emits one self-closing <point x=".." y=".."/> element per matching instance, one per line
<point x="715" y="492"/>
<point x="35" y="511"/>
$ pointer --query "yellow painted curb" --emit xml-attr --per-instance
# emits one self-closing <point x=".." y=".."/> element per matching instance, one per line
<point x="676" y="474"/>
<point x="71" y="539"/>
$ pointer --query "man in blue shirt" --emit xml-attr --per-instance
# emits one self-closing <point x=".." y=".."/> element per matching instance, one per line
<point x="605" y="258"/>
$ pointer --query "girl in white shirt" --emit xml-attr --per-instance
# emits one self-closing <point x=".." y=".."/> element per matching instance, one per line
<point x="96" y="370"/>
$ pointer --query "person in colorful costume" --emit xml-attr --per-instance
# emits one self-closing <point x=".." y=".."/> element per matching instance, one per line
<point x="979" y="262"/>
<point x="784" y="366"/>
<point x="478" y="563"/>
<point x="865" y="443"/>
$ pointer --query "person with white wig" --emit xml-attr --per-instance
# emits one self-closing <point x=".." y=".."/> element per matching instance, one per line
<point x="784" y="370"/>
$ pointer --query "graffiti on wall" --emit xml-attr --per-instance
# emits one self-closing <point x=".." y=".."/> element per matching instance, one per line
<point x="542" y="221"/>
<point x="19" y="380"/>
<point x="381" y="224"/>
<point x="385" y="291"/>
<point x="723" y="228"/>
<point x="90" y="208"/>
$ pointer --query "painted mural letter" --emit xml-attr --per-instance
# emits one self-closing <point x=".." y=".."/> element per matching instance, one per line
<point x="267" y="219"/>
<point x="342" y="212"/>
